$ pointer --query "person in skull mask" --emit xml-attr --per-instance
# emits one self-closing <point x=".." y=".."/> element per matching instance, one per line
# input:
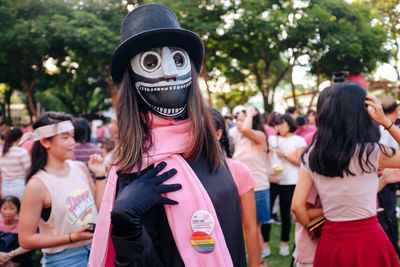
<point x="194" y="219"/>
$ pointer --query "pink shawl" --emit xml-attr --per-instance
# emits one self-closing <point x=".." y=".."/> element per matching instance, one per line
<point x="171" y="138"/>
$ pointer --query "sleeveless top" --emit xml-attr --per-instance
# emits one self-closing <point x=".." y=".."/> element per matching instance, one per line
<point x="351" y="197"/>
<point x="256" y="160"/>
<point x="72" y="204"/>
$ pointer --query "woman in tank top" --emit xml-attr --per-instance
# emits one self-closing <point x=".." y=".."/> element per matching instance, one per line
<point x="60" y="197"/>
<point x="342" y="162"/>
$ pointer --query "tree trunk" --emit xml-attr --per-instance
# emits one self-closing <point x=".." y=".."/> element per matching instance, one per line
<point x="7" y="101"/>
<point x="290" y="69"/>
<point x="316" y="89"/>
<point x="111" y="86"/>
<point x="396" y="60"/>
<point x="267" y="106"/>
<point x="260" y="84"/>
<point x="275" y="85"/>
<point x="29" y="88"/>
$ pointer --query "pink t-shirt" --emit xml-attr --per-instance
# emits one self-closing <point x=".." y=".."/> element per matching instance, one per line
<point x="269" y="131"/>
<point x="351" y="197"/>
<point x="242" y="175"/>
<point x="305" y="246"/>
<point x="6" y="230"/>
<point x="307" y="130"/>
<point x="308" y="137"/>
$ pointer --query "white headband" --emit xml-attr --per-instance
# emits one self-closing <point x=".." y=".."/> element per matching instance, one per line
<point x="48" y="131"/>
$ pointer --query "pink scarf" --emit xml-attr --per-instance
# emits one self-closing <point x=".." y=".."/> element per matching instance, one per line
<point x="171" y="139"/>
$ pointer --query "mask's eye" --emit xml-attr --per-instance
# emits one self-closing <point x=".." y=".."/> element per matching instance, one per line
<point x="150" y="61"/>
<point x="180" y="59"/>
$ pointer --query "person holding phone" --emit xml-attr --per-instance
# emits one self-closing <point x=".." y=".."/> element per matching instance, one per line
<point x="60" y="197"/>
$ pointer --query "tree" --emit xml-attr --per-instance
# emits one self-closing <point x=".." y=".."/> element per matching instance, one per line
<point x="344" y="38"/>
<point x="85" y="80"/>
<point x="387" y="13"/>
<point x="78" y="36"/>
<point x="32" y="32"/>
<point x="253" y="43"/>
<point x="204" y="17"/>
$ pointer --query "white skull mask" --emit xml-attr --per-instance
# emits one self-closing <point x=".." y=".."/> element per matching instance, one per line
<point x="162" y="77"/>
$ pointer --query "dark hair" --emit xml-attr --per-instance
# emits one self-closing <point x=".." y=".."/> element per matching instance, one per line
<point x="38" y="152"/>
<point x="340" y="76"/>
<point x="220" y="125"/>
<point x="12" y="135"/>
<point x="301" y="120"/>
<point x="310" y="111"/>
<point x="286" y="117"/>
<point x="82" y="130"/>
<point x="257" y="123"/>
<point x="343" y="127"/>
<point x="272" y="118"/>
<point x="389" y="106"/>
<point x="11" y="199"/>
<point x="291" y="110"/>
<point x="108" y="145"/>
<point x="227" y="117"/>
<point x="265" y="117"/>
<point x="134" y="134"/>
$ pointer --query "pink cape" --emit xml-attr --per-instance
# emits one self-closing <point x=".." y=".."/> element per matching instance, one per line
<point x="170" y="138"/>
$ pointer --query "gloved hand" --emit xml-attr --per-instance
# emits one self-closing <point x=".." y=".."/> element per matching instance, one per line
<point x="138" y="197"/>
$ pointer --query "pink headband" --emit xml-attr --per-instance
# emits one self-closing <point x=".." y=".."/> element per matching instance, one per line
<point x="47" y="131"/>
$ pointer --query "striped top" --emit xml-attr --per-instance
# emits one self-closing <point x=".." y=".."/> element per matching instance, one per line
<point x="82" y="153"/>
<point x="15" y="163"/>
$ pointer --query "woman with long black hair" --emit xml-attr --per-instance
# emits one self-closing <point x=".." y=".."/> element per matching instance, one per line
<point x="342" y="162"/>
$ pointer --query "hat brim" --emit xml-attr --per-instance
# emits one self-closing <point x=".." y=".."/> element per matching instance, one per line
<point x="187" y="40"/>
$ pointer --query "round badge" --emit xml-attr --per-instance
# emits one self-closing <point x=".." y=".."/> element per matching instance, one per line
<point x="202" y="242"/>
<point x="202" y="221"/>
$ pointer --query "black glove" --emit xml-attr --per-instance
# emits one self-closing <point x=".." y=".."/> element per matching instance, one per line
<point x="140" y="196"/>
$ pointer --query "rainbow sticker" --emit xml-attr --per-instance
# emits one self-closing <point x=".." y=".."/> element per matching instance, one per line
<point x="202" y="242"/>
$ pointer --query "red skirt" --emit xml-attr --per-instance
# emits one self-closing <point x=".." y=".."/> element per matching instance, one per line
<point x="358" y="243"/>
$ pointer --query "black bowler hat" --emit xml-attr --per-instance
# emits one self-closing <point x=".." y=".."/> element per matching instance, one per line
<point x="150" y="26"/>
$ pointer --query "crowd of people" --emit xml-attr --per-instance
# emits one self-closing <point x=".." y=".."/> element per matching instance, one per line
<point x="63" y="165"/>
<point x="176" y="184"/>
<point x="48" y="171"/>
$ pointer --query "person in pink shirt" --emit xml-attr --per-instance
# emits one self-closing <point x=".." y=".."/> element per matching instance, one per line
<point x="304" y="128"/>
<point x="343" y="166"/>
<point x="245" y="183"/>
<point x="310" y="115"/>
<point x="9" y="209"/>
<point x="305" y="246"/>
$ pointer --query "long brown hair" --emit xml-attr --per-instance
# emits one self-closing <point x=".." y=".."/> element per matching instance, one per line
<point x="134" y="132"/>
<point x="39" y="153"/>
<point x="12" y="135"/>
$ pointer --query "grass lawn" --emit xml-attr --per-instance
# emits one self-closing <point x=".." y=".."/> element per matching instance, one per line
<point x="276" y="260"/>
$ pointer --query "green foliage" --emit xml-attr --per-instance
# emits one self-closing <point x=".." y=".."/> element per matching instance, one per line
<point x="84" y="33"/>
<point x="254" y="44"/>
<point x="344" y="37"/>
<point x="387" y="15"/>
<point x="237" y="96"/>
